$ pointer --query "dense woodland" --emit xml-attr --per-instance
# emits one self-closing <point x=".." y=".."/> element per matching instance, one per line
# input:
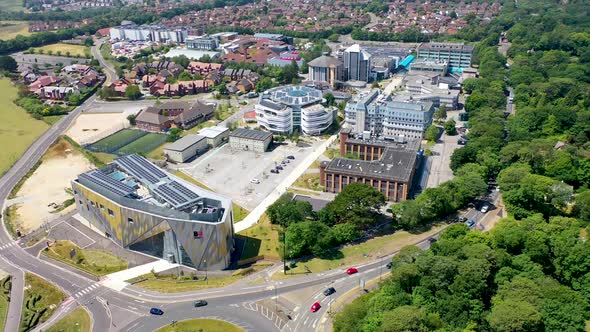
<point x="532" y="271"/>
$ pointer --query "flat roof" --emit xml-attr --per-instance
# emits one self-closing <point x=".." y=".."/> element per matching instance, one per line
<point x="316" y="203"/>
<point x="256" y="135"/>
<point x="185" y="143"/>
<point x="190" y="53"/>
<point x="213" y="132"/>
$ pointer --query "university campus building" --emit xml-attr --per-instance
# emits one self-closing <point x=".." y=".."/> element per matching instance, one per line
<point x="387" y="166"/>
<point x="143" y="208"/>
<point x="285" y="109"/>
<point x="456" y="55"/>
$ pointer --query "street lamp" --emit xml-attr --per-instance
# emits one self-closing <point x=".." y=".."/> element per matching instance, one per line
<point x="206" y="279"/>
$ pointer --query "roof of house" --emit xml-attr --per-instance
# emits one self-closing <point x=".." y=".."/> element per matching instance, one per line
<point x="151" y="115"/>
<point x="213" y="132"/>
<point x="324" y="61"/>
<point x="256" y="135"/>
<point x="197" y="110"/>
<point x="185" y="143"/>
<point x="316" y="203"/>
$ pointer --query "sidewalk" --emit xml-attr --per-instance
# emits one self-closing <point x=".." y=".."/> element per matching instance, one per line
<point x="255" y="215"/>
<point x="118" y="280"/>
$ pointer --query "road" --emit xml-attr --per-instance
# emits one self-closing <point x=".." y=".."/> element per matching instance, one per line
<point x="108" y="69"/>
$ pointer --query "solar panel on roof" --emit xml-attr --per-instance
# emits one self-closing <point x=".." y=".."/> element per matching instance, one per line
<point x="104" y="181"/>
<point x="142" y="162"/>
<point x="184" y="190"/>
<point x="136" y="170"/>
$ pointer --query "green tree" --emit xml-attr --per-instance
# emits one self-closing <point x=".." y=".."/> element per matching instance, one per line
<point x="450" y="127"/>
<point x="441" y="113"/>
<point x="431" y="133"/>
<point x="330" y="99"/>
<point x="132" y="92"/>
<point x="131" y="119"/>
<point x="308" y="237"/>
<point x="264" y="84"/>
<point x="334" y="37"/>
<point x="181" y="60"/>
<point x="514" y="316"/>
<point x="173" y="134"/>
<point x="8" y="63"/>
<point x="106" y="93"/>
<point x="358" y="203"/>
<point x="286" y="211"/>
<point x="583" y="205"/>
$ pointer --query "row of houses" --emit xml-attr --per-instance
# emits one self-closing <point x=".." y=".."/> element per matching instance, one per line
<point x="71" y="80"/>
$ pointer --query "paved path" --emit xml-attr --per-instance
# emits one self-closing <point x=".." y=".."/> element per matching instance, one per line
<point x="255" y="215"/>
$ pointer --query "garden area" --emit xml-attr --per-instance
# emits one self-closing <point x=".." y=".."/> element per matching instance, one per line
<point x="17" y="128"/>
<point x="93" y="261"/>
<point x="61" y="49"/>
<point x="5" y="286"/>
<point x="128" y="141"/>
<point x="76" y="321"/>
<point x="204" y="325"/>
<point x="40" y="301"/>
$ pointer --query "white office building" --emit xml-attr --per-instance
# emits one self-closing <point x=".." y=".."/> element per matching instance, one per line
<point x="157" y="33"/>
<point x="202" y="43"/>
<point x="357" y="63"/>
<point x="285" y="109"/>
<point x="383" y="117"/>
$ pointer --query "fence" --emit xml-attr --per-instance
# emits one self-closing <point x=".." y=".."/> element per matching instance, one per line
<point x="116" y="141"/>
<point x="103" y="134"/>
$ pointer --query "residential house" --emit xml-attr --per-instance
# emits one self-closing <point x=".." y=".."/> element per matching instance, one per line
<point x="174" y="114"/>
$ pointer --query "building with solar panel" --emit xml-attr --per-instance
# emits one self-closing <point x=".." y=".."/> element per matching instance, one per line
<point x="143" y="208"/>
<point x="286" y="109"/>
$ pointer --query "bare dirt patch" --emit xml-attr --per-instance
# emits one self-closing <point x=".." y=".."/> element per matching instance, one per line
<point x="45" y="190"/>
<point x="89" y="128"/>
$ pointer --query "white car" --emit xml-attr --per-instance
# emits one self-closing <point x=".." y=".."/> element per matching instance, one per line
<point x="255" y="181"/>
<point x="485" y="208"/>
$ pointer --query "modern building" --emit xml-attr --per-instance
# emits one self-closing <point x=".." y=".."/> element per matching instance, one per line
<point x="326" y="69"/>
<point x="283" y="110"/>
<point x="157" y="33"/>
<point x="357" y="64"/>
<point x="387" y="166"/>
<point x="185" y="148"/>
<point x="286" y="58"/>
<point x="143" y="208"/>
<point x="250" y="140"/>
<point x="430" y="87"/>
<point x="457" y="55"/>
<point x="386" y="118"/>
<point x="441" y="67"/>
<point x="202" y="43"/>
<point x="215" y="135"/>
<point x="192" y="54"/>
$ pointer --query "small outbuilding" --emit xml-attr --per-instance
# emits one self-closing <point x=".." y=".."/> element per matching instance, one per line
<point x="250" y="140"/>
<point x="185" y="148"/>
<point x="215" y="135"/>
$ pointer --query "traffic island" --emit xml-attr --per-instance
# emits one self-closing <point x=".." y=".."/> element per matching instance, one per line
<point x="76" y="321"/>
<point x="205" y="325"/>
<point x="94" y="261"/>
<point x="5" y="286"/>
<point x="40" y="301"/>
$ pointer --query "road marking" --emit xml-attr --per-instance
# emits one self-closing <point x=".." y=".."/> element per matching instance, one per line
<point x="86" y="236"/>
<point x="315" y="322"/>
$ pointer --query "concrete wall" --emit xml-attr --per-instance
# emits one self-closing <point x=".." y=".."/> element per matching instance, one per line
<point x="238" y="143"/>
<point x="186" y="154"/>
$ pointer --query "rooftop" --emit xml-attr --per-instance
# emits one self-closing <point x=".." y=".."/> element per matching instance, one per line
<point x="251" y="134"/>
<point x="185" y="143"/>
<point x="325" y="61"/>
<point x="446" y="47"/>
<point x="293" y="95"/>
<point x="212" y="132"/>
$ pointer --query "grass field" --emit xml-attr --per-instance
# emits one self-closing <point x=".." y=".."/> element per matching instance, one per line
<point x="10" y="29"/>
<point x="261" y="239"/>
<point x="17" y="129"/>
<point x="11" y="5"/>
<point x="4" y="295"/>
<point x="96" y="262"/>
<point x="204" y="325"/>
<point x="144" y="145"/>
<point x="172" y="284"/>
<point x="76" y="321"/>
<point x="309" y="181"/>
<point x="358" y="253"/>
<point x="104" y="157"/>
<point x="117" y="140"/>
<point x="198" y="127"/>
<point x="157" y="153"/>
<point x="51" y="119"/>
<point x="332" y="153"/>
<point x="60" y="49"/>
<point x="40" y="301"/>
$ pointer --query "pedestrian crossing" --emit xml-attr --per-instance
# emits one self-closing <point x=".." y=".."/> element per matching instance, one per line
<point x="86" y="290"/>
<point x="8" y="245"/>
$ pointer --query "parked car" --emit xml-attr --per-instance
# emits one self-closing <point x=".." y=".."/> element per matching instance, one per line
<point x="200" y="303"/>
<point x="462" y="219"/>
<point x="470" y="223"/>
<point x="279" y="167"/>
<point x="291" y="157"/>
<point x="284" y="162"/>
<point x="352" y="270"/>
<point x="156" y="311"/>
<point x="255" y="181"/>
<point x="315" y="307"/>
<point x="432" y="240"/>
<point x="274" y="171"/>
<point x="485" y="208"/>
<point x="389" y="265"/>
<point x="329" y="291"/>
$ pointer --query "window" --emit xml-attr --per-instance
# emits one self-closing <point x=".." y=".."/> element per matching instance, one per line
<point x="111" y="213"/>
<point x="197" y="234"/>
<point x="130" y="221"/>
<point x="80" y="201"/>
<point x="92" y="203"/>
<point x="101" y="207"/>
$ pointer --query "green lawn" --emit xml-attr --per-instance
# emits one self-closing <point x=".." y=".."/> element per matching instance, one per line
<point x="332" y="153"/>
<point x="40" y="301"/>
<point x="158" y="153"/>
<point x="172" y="284"/>
<point x="96" y="262"/>
<point x="359" y="253"/>
<point x="104" y="157"/>
<point x="76" y="321"/>
<point x="261" y="239"/>
<point x="17" y="129"/>
<point x="204" y="325"/>
<point x="143" y="145"/>
<point x="61" y="49"/>
<point x="51" y="119"/>
<point x="309" y="181"/>
<point x="11" y="5"/>
<point x="239" y="212"/>
<point x="5" y="285"/>
<point x="198" y="127"/>
<point x="11" y="29"/>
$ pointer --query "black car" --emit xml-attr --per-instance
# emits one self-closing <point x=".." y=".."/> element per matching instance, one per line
<point x="329" y="291"/>
<point x="156" y="311"/>
<point x="291" y="157"/>
<point x="431" y="240"/>
<point x="274" y="171"/>
<point x="279" y="167"/>
<point x="200" y="303"/>
<point x="389" y="265"/>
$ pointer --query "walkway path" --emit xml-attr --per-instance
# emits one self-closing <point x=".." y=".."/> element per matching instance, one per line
<point x="255" y="215"/>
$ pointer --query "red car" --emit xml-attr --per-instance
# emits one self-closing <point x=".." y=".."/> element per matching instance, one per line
<point x="352" y="270"/>
<point x="315" y="307"/>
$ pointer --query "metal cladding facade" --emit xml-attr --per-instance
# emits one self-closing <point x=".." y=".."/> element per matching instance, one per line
<point x="200" y="240"/>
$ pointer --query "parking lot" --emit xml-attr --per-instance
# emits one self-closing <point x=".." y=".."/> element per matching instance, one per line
<point x="232" y="172"/>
